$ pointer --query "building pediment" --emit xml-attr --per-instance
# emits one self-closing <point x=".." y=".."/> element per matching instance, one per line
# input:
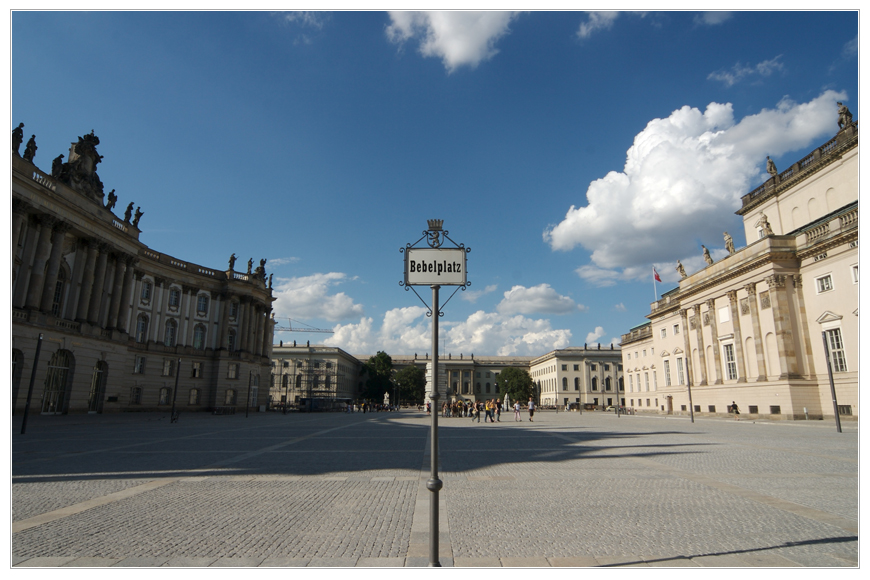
<point x="678" y="350"/>
<point x="828" y="316"/>
<point x="664" y="354"/>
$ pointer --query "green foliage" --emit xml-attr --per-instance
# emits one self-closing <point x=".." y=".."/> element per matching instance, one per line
<point x="380" y="370"/>
<point x="517" y="383"/>
<point x="412" y="384"/>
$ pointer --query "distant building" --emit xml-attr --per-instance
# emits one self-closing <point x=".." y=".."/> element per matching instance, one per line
<point x="116" y="316"/>
<point x="751" y="328"/>
<point x="314" y="377"/>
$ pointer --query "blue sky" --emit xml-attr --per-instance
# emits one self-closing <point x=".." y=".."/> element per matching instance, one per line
<point x="570" y="150"/>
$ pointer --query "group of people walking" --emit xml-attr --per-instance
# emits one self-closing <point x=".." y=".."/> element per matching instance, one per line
<point x="491" y="410"/>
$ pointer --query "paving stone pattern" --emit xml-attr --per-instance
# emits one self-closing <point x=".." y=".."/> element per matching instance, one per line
<point x="341" y="490"/>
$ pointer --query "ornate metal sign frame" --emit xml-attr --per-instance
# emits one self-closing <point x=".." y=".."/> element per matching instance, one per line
<point x="435" y="237"/>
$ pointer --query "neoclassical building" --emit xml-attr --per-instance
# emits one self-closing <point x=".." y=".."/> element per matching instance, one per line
<point x="752" y="328"/>
<point x="121" y="321"/>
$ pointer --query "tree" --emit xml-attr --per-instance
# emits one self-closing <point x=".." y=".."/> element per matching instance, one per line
<point x="380" y="372"/>
<point x="412" y="384"/>
<point x="517" y="383"/>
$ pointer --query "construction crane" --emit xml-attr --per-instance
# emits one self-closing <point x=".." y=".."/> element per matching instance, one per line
<point x="289" y="328"/>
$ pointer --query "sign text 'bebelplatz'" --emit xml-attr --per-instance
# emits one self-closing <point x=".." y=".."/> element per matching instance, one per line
<point x="427" y="266"/>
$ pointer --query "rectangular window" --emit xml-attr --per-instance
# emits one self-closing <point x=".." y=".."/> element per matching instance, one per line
<point x="667" y="373"/>
<point x="711" y="408"/>
<point x="644" y="352"/>
<point x="664" y="332"/>
<point x="824" y="284"/>
<point x="139" y="368"/>
<point x="655" y="382"/>
<point x="630" y="384"/>
<point x="168" y="367"/>
<point x="676" y="329"/>
<point x="576" y="367"/>
<point x="146" y="291"/>
<point x="197" y="370"/>
<point x="194" y="397"/>
<point x="234" y="309"/>
<point x="593" y="368"/>
<point x="202" y="304"/>
<point x="174" y="297"/>
<point x="730" y="364"/>
<point x="680" y="379"/>
<point x="233" y="371"/>
<point x="836" y="351"/>
<point x="136" y="396"/>
<point x="606" y="367"/>
<point x="564" y="367"/>
<point x="646" y="380"/>
<point x="753" y="409"/>
<point x="775" y="410"/>
<point x="855" y="274"/>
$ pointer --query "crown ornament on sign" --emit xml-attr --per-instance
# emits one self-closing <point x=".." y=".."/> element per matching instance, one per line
<point x="435" y="225"/>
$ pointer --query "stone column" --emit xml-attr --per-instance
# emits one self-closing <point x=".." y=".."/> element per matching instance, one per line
<point x="37" y="271"/>
<point x="244" y="323"/>
<point x="267" y="333"/>
<point x="258" y="333"/>
<point x="738" y="336"/>
<point x="87" y="282"/>
<point x="28" y="252"/>
<point x="19" y="220"/>
<point x="126" y="294"/>
<point x="117" y="290"/>
<point x="714" y="332"/>
<point x="802" y="314"/>
<point x="756" y="331"/>
<point x="782" y="325"/>
<point x="226" y="303"/>
<point x="99" y="282"/>
<point x="58" y="235"/>
<point x="81" y="256"/>
<point x="687" y="347"/>
<point x="699" y="337"/>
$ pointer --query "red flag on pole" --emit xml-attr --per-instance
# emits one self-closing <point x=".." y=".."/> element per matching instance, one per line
<point x="656" y="274"/>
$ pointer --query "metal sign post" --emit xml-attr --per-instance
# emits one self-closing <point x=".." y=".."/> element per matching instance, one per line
<point x="435" y="266"/>
<point x="30" y="388"/>
<point x="831" y="381"/>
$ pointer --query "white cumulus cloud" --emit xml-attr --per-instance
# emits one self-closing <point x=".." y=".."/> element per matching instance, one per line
<point x="408" y="330"/>
<point x="592" y="337"/>
<point x="740" y="71"/>
<point x="540" y="299"/>
<point x="597" y="20"/>
<point x="683" y="174"/>
<point x="713" y="18"/>
<point x="457" y="38"/>
<point x="473" y="295"/>
<point x="309" y="297"/>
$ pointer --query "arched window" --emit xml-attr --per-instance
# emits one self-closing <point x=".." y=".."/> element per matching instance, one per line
<point x="564" y="383"/>
<point x="98" y="388"/>
<point x="594" y="383"/>
<point x="142" y="328"/>
<point x="487" y="387"/>
<point x="576" y="383"/>
<point x="607" y="384"/>
<point x="54" y="396"/>
<point x="621" y="384"/>
<point x="170" y="332"/>
<point x="193" y="399"/>
<point x="57" y="298"/>
<point x="165" y="396"/>
<point x="199" y="337"/>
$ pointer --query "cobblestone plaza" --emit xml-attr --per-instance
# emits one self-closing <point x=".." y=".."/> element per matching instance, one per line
<point x="335" y="489"/>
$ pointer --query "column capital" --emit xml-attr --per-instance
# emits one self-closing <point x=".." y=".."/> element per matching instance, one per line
<point x="732" y="296"/>
<point x="189" y="289"/>
<point x="138" y="274"/>
<point x="62" y="227"/>
<point x="750" y="288"/>
<point x="776" y="280"/>
<point x="798" y="280"/>
<point x="159" y="282"/>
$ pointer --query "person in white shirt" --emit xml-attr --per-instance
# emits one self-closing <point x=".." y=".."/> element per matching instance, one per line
<point x="531" y="409"/>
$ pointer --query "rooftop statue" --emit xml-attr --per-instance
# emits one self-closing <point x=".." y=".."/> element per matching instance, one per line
<point x="139" y="214"/>
<point x="681" y="270"/>
<point x="729" y="244"/>
<point x="30" y="149"/>
<point x="57" y="166"/>
<point x="80" y="171"/>
<point x="845" y="118"/>
<point x="250" y="265"/>
<point x="17" y="138"/>
<point x="707" y="257"/>
<point x="764" y="225"/>
<point x="128" y="212"/>
<point x="113" y="199"/>
<point x="771" y="167"/>
<point x="233" y="261"/>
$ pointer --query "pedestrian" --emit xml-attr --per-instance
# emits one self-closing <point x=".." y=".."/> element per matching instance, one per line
<point x="735" y="410"/>
<point x="488" y="410"/>
<point x="517" y="416"/>
<point x="498" y="410"/>
<point x="478" y="407"/>
<point x="531" y="409"/>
